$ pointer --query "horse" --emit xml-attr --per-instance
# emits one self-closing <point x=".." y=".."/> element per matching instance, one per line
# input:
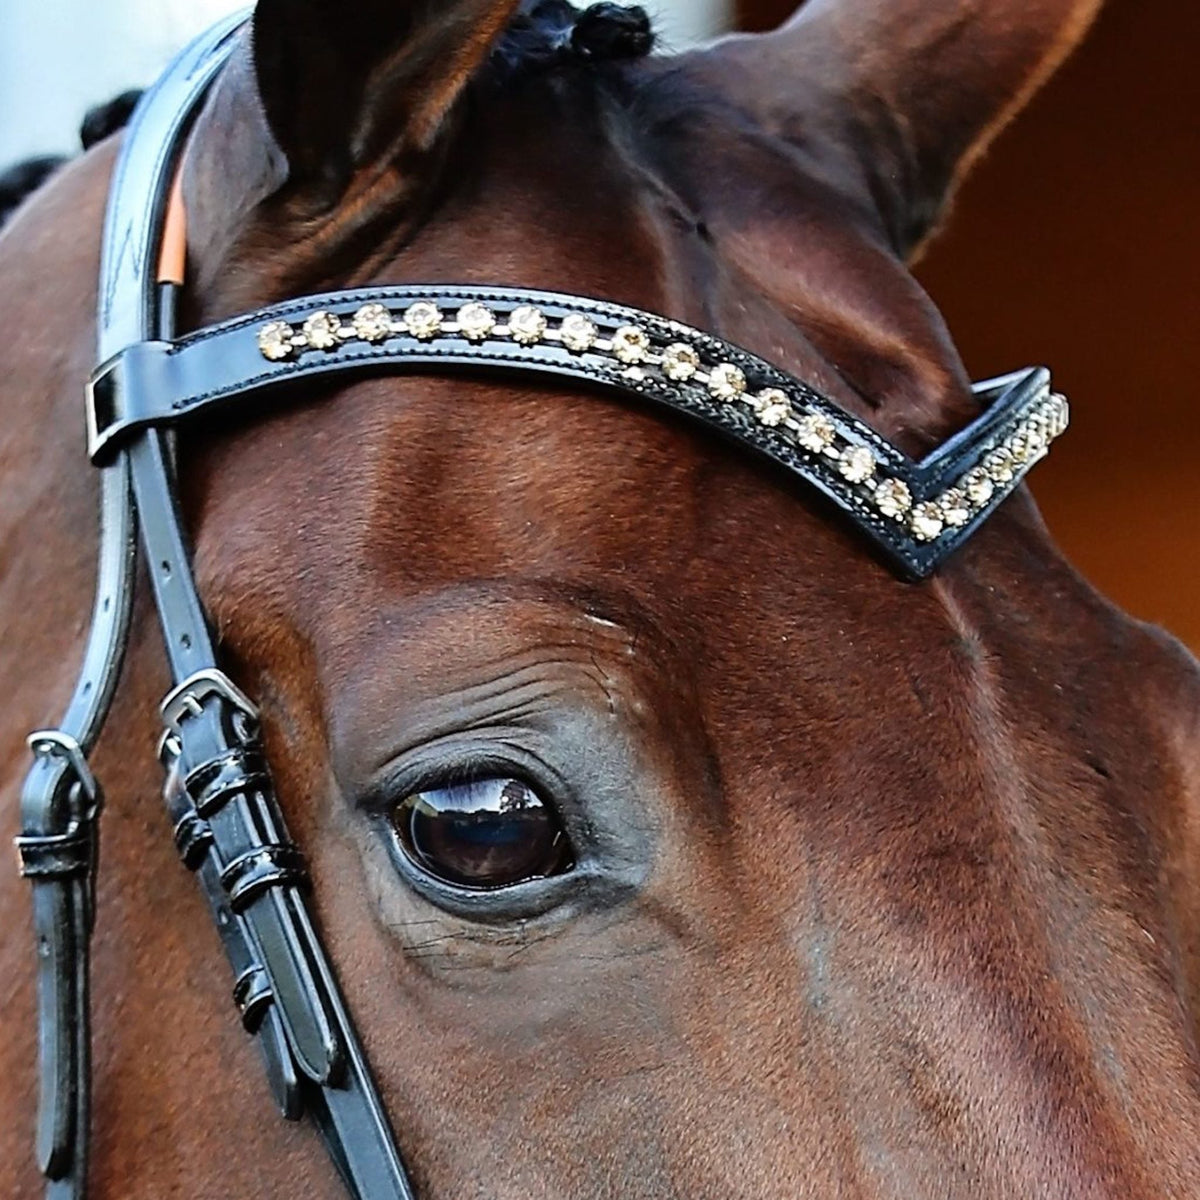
<point x="892" y="886"/>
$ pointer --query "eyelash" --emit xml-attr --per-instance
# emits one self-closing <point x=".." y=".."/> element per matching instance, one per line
<point x="403" y="779"/>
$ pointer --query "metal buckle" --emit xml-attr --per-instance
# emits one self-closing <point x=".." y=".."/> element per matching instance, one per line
<point x="55" y="744"/>
<point x="68" y="849"/>
<point x="187" y="699"/>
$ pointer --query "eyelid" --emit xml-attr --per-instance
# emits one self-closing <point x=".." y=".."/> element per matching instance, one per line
<point x="449" y="763"/>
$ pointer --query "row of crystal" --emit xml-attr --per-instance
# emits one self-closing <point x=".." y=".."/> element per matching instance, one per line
<point x="679" y="362"/>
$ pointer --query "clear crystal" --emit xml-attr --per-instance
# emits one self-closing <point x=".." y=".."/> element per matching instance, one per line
<point x="927" y="522"/>
<point x="578" y="333"/>
<point x="1060" y="415"/>
<point x="1020" y="447"/>
<point x="1000" y="465"/>
<point x="773" y="407"/>
<point x="528" y="324"/>
<point x="893" y="498"/>
<point x="857" y="464"/>
<point x="956" y="508"/>
<point x="815" y="432"/>
<point x="275" y="341"/>
<point x="680" y="362"/>
<point x="373" y="323"/>
<point x="979" y="486"/>
<point x="423" y="319"/>
<point x="630" y="344"/>
<point x="726" y="381"/>
<point x="476" y="321"/>
<point x="321" y="330"/>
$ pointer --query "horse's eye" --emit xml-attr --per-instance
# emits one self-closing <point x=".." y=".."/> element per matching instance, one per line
<point x="491" y="833"/>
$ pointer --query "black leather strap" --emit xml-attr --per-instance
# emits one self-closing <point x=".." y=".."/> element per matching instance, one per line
<point x="157" y="384"/>
<point x="60" y="801"/>
<point x="251" y="874"/>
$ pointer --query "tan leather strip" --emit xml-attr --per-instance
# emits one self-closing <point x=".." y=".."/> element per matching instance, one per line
<point x="172" y="258"/>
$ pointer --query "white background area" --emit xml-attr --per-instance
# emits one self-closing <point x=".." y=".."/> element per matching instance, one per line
<point x="59" y="57"/>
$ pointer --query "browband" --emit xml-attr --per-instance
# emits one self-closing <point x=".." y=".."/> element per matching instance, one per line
<point x="227" y="824"/>
<point x="917" y="512"/>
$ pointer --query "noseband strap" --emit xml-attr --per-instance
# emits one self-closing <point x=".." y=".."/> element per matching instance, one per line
<point x="228" y="826"/>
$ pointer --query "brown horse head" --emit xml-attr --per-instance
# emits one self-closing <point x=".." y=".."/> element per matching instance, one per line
<point x="804" y="881"/>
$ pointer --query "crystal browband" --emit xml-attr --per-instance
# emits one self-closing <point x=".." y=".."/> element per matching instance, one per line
<point x="918" y="512"/>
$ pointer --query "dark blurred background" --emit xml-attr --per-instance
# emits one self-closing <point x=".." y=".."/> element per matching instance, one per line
<point x="1077" y="244"/>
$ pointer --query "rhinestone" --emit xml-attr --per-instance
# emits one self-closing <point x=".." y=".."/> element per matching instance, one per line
<point x="423" y="319"/>
<point x="999" y="465"/>
<point x="1035" y="437"/>
<point x="275" y="341"/>
<point x="680" y="362"/>
<point x="578" y="333"/>
<point x="528" y="324"/>
<point x="955" y="507"/>
<point x="773" y="407"/>
<point x="636" y="374"/>
<point x="630" y="344"/>
<point x="815" y="432"/>
<point x="373" y="323"/>
<point x="321" y="330"/>
<point x="979" y="486"/>
<point x="1060" y="415"/>
<point x="927" y="522"/>
<point x="857" y="464"/>
<point x="893" y="498"/>
<point x="476" y="321"/>
<point x="726" y="381"/>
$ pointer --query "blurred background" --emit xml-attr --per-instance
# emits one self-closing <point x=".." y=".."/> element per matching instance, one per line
<point x="1075" y="244"/>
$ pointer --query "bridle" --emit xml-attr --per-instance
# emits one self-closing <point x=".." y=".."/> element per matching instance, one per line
<point x="227" y="823"/>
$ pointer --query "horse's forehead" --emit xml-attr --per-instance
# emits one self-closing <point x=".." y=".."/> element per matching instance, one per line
<point x="353" y="520"/>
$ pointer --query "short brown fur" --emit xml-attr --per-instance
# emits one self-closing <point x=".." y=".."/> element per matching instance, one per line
<point x="918" y="915"/>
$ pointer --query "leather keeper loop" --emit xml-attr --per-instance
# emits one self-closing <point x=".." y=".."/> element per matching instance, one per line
<point x="250" y="875"/>
<point x="213" y="784"/>
<point x="252" y="993"/>
<point x="193" y="837"/>
<point x="55" y="856"/>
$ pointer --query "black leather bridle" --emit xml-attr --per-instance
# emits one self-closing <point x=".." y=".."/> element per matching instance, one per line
<point x="228" y="827"/>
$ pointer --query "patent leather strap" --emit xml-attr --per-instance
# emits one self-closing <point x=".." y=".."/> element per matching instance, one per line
<point x="918" y="513"/>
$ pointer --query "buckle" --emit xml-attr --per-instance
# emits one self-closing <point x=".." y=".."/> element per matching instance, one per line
<point x="68" y="848"/>
<point x="56" y="745"/>
<point x="187" y="700"/>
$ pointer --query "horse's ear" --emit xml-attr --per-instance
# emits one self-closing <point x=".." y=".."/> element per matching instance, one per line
<point x="343" y="85"/>
<point x="915" y="89"/>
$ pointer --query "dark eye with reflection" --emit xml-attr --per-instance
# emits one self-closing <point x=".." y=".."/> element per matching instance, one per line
<point x="490" y="833"/>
